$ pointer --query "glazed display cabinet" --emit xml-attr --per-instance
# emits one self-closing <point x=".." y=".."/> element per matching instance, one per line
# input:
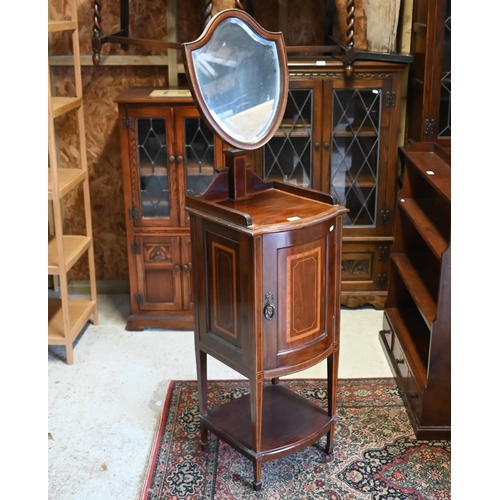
<point x="167" y="152"/>
<point x="429" y="91"/>
<point x="340" y="136"/>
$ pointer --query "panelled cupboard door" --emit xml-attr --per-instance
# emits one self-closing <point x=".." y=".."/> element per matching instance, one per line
<point x="298" y="282"/>
<point x="153" y="176"/>
<point x="158" y="263"/>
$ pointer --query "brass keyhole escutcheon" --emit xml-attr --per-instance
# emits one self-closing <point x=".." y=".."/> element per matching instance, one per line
<point x="269" y="307"/>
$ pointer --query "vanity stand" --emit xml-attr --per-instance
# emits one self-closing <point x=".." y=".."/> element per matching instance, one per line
<point x="266" y="286"/>
<point x="266" y="256"/>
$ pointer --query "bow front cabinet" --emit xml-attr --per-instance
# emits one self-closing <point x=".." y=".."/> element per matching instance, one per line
<point x="266" y="303"/>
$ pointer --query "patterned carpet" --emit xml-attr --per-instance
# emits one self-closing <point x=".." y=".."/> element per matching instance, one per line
<point x="375" y="455"/>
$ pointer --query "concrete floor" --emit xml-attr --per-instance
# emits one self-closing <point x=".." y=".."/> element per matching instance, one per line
<point x="104" y="409"/>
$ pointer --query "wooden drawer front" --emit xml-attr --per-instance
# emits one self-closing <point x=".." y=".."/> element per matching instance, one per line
<point x="408" y="383"/>
<point x="414" y="395"/>
<point x="388" y="333"/>
<point x="365" y="266"/>
<point x="400" y="362"/>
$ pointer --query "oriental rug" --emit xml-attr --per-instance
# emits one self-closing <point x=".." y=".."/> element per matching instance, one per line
<point x="375" y="454"/>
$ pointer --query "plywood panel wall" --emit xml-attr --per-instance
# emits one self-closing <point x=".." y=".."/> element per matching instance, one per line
<point x="305" y="25"/>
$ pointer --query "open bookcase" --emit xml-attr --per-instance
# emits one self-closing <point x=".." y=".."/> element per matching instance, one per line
<point x="67" y="316"/>
<point x="417" y="319"/>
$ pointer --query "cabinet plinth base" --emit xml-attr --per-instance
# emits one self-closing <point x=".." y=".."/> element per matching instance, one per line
<point x="289" y="423"/>
<point x="138" y="322"/>
<point x="357" y="299"/>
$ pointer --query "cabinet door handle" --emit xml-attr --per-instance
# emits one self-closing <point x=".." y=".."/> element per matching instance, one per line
<point x="180" y="159"/>
<point x="400" y="361"/>
<point x="326" y="145"/>
<point x="171" y="159"/>
<point x="269" y="308"/>
<point x="176" y="267"/>
<point x="316" y="145"/>
<point x="185" y="267"/>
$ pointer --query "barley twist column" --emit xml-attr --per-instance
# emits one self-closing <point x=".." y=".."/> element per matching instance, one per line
<point x="96" y="38"/>
<point x="349" y="69"/>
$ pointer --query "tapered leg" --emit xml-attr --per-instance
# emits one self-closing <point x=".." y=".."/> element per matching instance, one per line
<point x="256" y="397"/>
<point x="332" y="364"/>
<point x="257" y="468"/>
<point x="201" y="367"/>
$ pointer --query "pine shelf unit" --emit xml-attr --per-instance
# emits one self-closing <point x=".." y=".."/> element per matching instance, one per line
<point x="67" y="316"/>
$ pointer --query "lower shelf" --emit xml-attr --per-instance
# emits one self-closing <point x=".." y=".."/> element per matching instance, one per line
<point x="289" y="423"/>
<point x="80" y="312"/>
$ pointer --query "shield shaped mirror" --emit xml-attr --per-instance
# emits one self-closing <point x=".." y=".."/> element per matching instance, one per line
<point x="238" y="75"/>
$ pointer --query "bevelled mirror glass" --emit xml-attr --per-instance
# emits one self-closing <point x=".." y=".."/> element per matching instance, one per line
<point x="238" y="75"/>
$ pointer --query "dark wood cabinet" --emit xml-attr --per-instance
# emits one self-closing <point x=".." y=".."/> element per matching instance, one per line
<point x="167" y="152"/>
<point x="267" y="303"/>
<point x="340" y="136"/>
<point x="429" y="90"/>
<point x="416" y="334"/>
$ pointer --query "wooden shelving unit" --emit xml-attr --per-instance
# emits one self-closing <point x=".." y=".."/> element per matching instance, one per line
<point x="417" y="319"/>
<point x="67" y="316"/>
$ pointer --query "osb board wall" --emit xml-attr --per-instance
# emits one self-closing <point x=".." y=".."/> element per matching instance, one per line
<point x="101" y="84"/>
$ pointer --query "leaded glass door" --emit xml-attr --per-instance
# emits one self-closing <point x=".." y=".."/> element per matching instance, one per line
<point x="444" y="128"/>
<point x="355" y="150"/>
<point x="201" y="152"/>
<point x="153" y="163"/>
<point x="293" y="151"/>
<point x="355" y="145"/>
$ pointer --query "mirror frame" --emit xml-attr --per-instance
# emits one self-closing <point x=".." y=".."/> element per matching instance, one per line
<point x="276" y="37"/>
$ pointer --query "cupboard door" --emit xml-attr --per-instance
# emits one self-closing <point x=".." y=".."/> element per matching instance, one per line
<point x="296" y="273"/>
<point x="365" y="265"/>
<point x="152" y="167"/>
<point x="159" y="273"/>
<point x="293" y="151"/>
<point x="357" y="153"/>
<point x="198" y="151"/>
